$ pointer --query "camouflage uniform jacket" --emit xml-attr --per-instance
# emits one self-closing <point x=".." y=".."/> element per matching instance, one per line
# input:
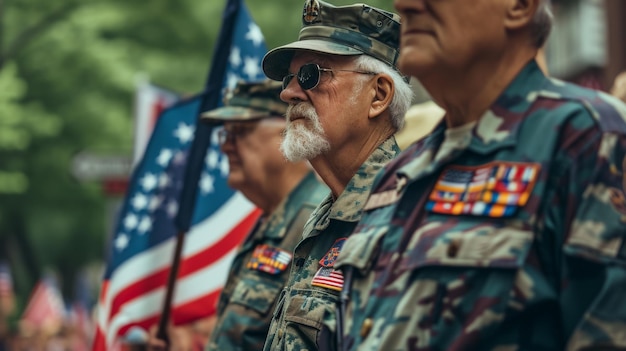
<point x="260" y="269"/>
<point x="304" y="318"/>
<point x="505" y="234"/>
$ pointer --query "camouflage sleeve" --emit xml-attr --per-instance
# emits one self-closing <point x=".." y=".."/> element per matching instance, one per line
<point x="593" y="266"/>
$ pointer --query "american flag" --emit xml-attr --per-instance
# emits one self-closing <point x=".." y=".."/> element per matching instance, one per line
<point x="7" y="296"/>
<point x="150" y="101"/>
<point x="329" y="278"/>
<point x="134" y="284"/>
<point x="45" y="309"/>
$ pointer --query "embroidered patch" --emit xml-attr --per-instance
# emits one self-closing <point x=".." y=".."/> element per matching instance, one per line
<point x="328" y="277"/>
<point x="329" y="258"/>
<point x="493" y="190"/>
<point x="268" y="259"/>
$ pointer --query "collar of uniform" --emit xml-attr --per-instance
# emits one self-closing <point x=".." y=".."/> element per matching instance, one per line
<point x="276" y="224"/>
<point x="348" y="207"/>
<point x="499" y="127"/>
<point x="496" y="129"/>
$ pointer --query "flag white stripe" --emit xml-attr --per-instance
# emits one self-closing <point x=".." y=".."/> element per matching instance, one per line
<point x="148" y="262"/>
<point x="151" y="261"/>
<point x="187" y="290"/>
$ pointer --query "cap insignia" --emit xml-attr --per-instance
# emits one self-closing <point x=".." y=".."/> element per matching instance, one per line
<point x="311" y="11"/>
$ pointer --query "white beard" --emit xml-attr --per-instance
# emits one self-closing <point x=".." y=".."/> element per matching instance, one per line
<point x="303" y="141"/>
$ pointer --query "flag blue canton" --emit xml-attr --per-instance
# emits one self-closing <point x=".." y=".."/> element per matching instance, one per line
<point x="246" y="53"/>
<point x="151" y="204"/>
<point x="147" y="216"/>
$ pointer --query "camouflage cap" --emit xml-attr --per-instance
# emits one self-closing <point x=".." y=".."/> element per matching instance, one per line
<point x="249" y="101"/>
<point x="339" y="30"/>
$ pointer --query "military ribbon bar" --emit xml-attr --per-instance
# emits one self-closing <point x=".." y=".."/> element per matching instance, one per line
<point x="493" y="190"/>
<point x="268" y="259"/>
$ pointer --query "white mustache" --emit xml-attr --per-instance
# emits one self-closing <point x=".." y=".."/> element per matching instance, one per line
<point x="301" y="109"/>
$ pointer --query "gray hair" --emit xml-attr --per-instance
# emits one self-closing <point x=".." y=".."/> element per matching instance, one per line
<point x="403" y="93"/>
<point x="542" y="23"/>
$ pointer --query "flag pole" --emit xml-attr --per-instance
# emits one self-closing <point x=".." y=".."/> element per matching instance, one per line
<point x="210" y="100"/>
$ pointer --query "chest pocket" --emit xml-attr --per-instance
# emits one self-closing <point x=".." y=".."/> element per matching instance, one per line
<point x="481" y="245"/>
<point x="474" y="271"/>
<point x="256" y="294"/>
<point x="311" y="315"/>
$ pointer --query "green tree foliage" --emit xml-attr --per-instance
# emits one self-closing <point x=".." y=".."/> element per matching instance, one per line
<point x="67" y="77"/>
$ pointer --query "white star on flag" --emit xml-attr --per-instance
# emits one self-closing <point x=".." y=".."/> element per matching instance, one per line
<point x="254" y="34"/>
<point x="148" y="182"/>
<point x="164" y="181"/>
<point x="224" y="168"/>
<point x="172" y="208"/>
<point x="164" y="157"/>
<point x="235" y="56"/>
<point x="231" y="80"/>
<point x="145" y="225"/>
<point x="139" y="201"/>
<point x="155" y="202"/>
<point x="121" y="242"/>
<point x="184" y="132"/>
<point x="206" y="183"/>
<point x="251" y="67"/>
<point x="212" y="158"/>
<point x="130" y="221"/>
<point x="179" y="158"/>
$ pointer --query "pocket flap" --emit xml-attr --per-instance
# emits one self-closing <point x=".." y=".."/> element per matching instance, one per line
<point x="255" y="294"/>
<point x="360" y="248"/>
<point x="310" y="308"/>
<point x="479" y="246"/>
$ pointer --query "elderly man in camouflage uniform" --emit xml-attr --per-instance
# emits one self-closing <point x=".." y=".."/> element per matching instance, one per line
<point x="286" y="192"/>
<point x="505" y="228"/>
<point x="346" y="100"/>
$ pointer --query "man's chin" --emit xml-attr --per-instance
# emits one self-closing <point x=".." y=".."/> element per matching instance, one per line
<point x="235" y="180"/>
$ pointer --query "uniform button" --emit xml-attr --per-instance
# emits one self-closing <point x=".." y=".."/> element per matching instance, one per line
<point x="453" y="248"/>
<point x="366" y="327"/>
<point x="280" y="334"/>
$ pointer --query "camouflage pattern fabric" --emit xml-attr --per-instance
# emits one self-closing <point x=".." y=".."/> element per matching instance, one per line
<point x="249" y="101"/>
<point x="505" y="234"/>
<point x="249" y="296"/>
<point x="304" y="318"/>
<point x="350" y="30"/>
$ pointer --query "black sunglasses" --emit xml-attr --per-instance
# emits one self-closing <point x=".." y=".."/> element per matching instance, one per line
<point x="309" y="75"/>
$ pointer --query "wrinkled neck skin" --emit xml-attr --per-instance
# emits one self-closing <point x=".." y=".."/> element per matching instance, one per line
<point x="337" y="166"/>
<point x="466" y="93"/>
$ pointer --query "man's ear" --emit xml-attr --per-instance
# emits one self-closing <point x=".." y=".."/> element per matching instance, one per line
<point x="519" y="13"/>
<point x="383" y="94"/>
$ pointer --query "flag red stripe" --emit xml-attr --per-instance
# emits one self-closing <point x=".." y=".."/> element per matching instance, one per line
<point x="183" y="314"/>
<point x="190" y="264"/>
<point x="209" y="255"/>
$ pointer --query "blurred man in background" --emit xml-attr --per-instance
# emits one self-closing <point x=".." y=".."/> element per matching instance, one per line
<point x="505" y="228"/>
<point x="419" y="121"/>
<point x="286" y="192"/>
<point x="619" y="87"/>
<point x="346" y="100"/>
